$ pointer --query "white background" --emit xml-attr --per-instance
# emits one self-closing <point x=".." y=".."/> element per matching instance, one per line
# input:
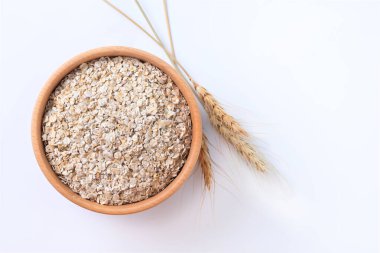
<point x="303" y="76"/>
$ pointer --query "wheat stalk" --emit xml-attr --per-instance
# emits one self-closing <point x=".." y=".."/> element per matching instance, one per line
<point x="205" y="163"/>
<point x="168" y="26"/>
<point x="171" y="56"/>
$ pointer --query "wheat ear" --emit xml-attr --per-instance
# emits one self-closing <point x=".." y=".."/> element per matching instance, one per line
<point x="212" y="106"/>
<point x="244" y="148"/>
<point x="230" y="129"/>
<point x="205" y="162"/>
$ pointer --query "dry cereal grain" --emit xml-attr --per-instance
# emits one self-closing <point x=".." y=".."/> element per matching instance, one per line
<point x="116" y="130"/>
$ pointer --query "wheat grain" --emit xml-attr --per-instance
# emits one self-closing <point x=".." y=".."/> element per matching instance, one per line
<point x="244" y="148"/>
<point x="230" y="129"/>
<point x="213" y="107"/>
<point x="205" y="162"/>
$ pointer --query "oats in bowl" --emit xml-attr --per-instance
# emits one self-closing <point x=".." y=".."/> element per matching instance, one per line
<point x="116" y="130"/>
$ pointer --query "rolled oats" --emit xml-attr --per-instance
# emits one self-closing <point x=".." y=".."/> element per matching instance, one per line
<point x="116" y="130"/>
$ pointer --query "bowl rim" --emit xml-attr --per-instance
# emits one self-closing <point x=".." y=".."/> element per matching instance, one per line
<point x="54" y="80"/>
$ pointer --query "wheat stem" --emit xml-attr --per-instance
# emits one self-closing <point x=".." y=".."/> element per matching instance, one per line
<point x="131" y="20"/>
<point x="160" y="44"/>
<point x="149" y="23"/>
<point x="172" y="60"/>
<point x="167" y="19"/>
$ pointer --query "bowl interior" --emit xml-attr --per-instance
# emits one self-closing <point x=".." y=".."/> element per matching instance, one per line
<point x="39" y="110"/>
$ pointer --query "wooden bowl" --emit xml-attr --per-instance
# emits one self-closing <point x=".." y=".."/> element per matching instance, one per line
<point x="39" y="110"/>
